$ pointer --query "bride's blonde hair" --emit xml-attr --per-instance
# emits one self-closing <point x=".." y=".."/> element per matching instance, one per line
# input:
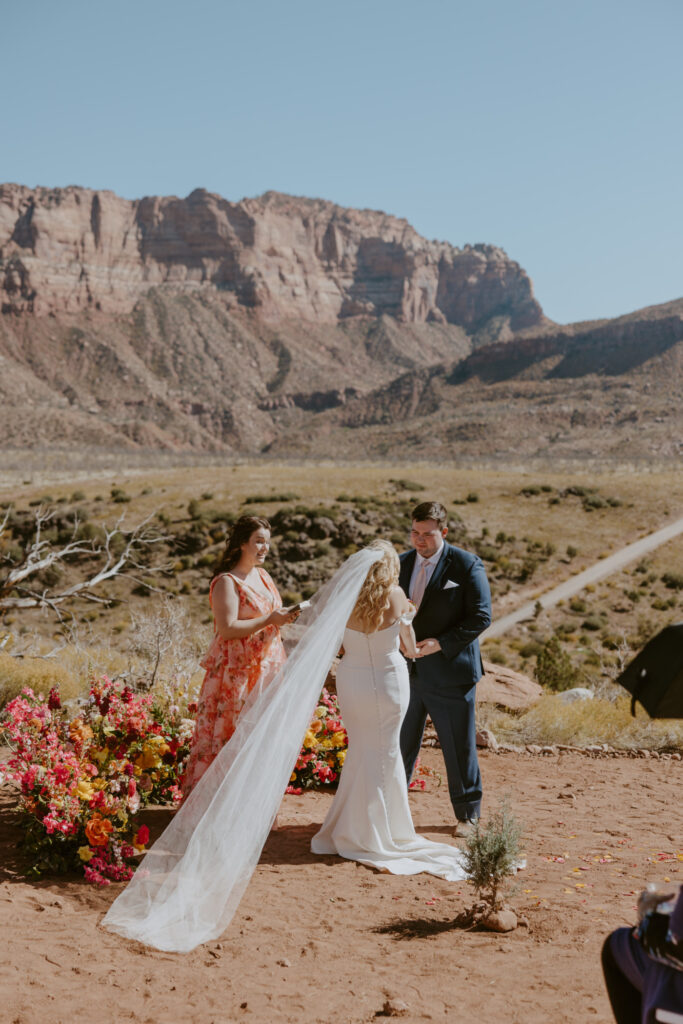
<point x="373" y="599"/>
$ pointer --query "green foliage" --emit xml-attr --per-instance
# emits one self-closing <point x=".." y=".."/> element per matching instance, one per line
<point x="491" y="852"/>
<point x="260" y="499"/>
<point x="406" y="485"/>
<point x="554" y="669"/>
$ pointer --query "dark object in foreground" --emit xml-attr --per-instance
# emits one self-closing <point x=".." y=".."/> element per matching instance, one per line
<point x="655" y="676"/>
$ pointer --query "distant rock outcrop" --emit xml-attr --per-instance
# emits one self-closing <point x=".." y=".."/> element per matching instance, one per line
<point x="67" y="250"/>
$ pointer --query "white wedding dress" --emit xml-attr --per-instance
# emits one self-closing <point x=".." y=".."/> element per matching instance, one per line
<point x="369" y="820"/>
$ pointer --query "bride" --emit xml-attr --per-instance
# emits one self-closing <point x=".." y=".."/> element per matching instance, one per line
<point x="193" y="877"/>
<point x="369" y="820"/>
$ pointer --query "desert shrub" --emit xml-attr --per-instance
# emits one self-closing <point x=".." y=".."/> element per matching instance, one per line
<point x="491" y="852"/>
<point x="78" y="496"/>
<point x="407" y="485"/>
<point x="662" y="605"/>
<point x="577" y="605"/>
<point x="472" y="497"/>
<point x="673" y="580"/>
<point x="119" y="496"/>
<point x="207" y="495"/>
<point x="554" y="668"/>
<point x="592" y="623"/>
<point x="193" y="509"/>
<point x="572" y="552"/>
<point x="529" y="491"/>
<point x="591" y="501"/>
<point x="546" y="488"/>
<point x="527" y="569"/>
<point x="531" y="649"/>
<point x="38" y="674"/>
<point x="614" y="502"/>
<point x="259" y="499"/>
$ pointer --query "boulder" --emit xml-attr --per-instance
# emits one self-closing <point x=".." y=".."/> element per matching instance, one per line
<point x="508" y="689"/>
<point x="576" y="693"/>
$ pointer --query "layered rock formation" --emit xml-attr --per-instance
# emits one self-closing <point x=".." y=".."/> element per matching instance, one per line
<point x="68" y="250"/>
<point x="296" y="327"/>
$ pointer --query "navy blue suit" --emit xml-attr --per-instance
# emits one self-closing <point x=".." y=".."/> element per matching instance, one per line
<point x="442" y="685"/>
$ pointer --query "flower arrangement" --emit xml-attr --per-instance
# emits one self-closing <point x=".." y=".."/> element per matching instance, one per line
<point x="324" y="748"/>
<point x="84" y="779"/>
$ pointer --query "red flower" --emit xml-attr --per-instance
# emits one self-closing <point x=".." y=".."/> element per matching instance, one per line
<point x="54" y="701"/>
<point x="143" y="835"/>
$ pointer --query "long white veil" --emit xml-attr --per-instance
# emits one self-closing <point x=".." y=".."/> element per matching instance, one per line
<point x="192" y="879"/>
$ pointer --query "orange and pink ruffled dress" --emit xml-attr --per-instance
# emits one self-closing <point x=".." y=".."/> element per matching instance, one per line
<point x="233" y="669"/>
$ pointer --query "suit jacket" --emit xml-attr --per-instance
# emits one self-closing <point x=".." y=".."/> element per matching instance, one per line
<point x="455" y="609"/>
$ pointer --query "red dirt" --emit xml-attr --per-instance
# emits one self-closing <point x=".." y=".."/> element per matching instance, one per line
<point x="309" y="941"/>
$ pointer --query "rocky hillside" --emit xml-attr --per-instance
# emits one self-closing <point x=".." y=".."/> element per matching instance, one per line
<point x="295" y="326"/>
<point x="68" y="250"/>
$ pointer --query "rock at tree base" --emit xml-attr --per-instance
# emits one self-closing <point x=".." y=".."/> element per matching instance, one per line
<point x="501" y="921"/>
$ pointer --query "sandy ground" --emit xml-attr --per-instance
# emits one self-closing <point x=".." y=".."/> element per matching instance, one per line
<point x="320" y="939"/>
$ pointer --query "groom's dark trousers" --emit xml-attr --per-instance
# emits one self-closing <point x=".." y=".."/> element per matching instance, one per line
<point x="455" y="609"/>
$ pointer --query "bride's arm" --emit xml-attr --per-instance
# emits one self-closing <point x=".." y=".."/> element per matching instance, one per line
<point x="404" y="610"/>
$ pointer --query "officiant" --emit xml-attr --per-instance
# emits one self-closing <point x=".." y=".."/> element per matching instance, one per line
<point x="451" y="592"/>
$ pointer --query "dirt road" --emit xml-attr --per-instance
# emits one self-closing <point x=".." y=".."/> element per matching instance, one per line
<point x="572" y="586"/>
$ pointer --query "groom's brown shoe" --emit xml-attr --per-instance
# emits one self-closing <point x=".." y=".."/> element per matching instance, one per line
<point x="465" y="827"/>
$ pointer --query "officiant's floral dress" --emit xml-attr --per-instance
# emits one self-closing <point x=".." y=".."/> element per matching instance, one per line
<point x="233" y="668"/>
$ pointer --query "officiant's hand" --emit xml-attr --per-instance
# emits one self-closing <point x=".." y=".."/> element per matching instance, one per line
<point x="426" y="647"/>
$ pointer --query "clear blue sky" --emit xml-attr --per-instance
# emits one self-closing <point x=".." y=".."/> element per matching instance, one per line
<point x="550" y="128"/>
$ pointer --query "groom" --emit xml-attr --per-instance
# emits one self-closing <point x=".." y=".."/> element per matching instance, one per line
<point x="453" y="599"/>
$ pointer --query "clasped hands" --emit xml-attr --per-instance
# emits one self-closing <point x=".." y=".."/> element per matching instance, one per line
<point x="425" y="647"/>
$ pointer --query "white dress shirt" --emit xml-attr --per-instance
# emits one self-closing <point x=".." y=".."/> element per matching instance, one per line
<point x="429" y="564"/>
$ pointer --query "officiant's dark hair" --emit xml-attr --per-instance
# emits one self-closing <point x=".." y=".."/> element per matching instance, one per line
<point x="430" y="510"/>
<point x="239" y="535"/>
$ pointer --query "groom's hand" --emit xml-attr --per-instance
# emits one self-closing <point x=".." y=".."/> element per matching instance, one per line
<point x="429" y="646"/>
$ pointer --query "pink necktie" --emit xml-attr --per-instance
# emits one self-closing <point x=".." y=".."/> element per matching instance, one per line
<point x="420" y="584"/>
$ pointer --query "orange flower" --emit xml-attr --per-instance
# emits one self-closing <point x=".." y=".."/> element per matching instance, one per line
<point x="79" y="732"/>
<point x="97" y="830"/>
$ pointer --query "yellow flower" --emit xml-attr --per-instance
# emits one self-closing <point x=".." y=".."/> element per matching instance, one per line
<point x="341" y="757"/>
<point x="310" y="739"/>
<point x="85" y="853"/>
<point x="147" y="759"/>
<point x="84" y="790"/>
<point x="100" y="783"/>
<point x="158" y="743"/>
<point x="292" y="777"/>
<point x="326" y="744"/>
<point x="339" y="739"/>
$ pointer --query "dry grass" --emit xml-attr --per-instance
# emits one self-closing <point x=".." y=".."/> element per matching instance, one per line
<point x="38" y="674"/>
<point x="584" y="723"/>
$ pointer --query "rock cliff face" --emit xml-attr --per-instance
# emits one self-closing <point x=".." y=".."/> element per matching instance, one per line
<point x="73" y="249"/>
